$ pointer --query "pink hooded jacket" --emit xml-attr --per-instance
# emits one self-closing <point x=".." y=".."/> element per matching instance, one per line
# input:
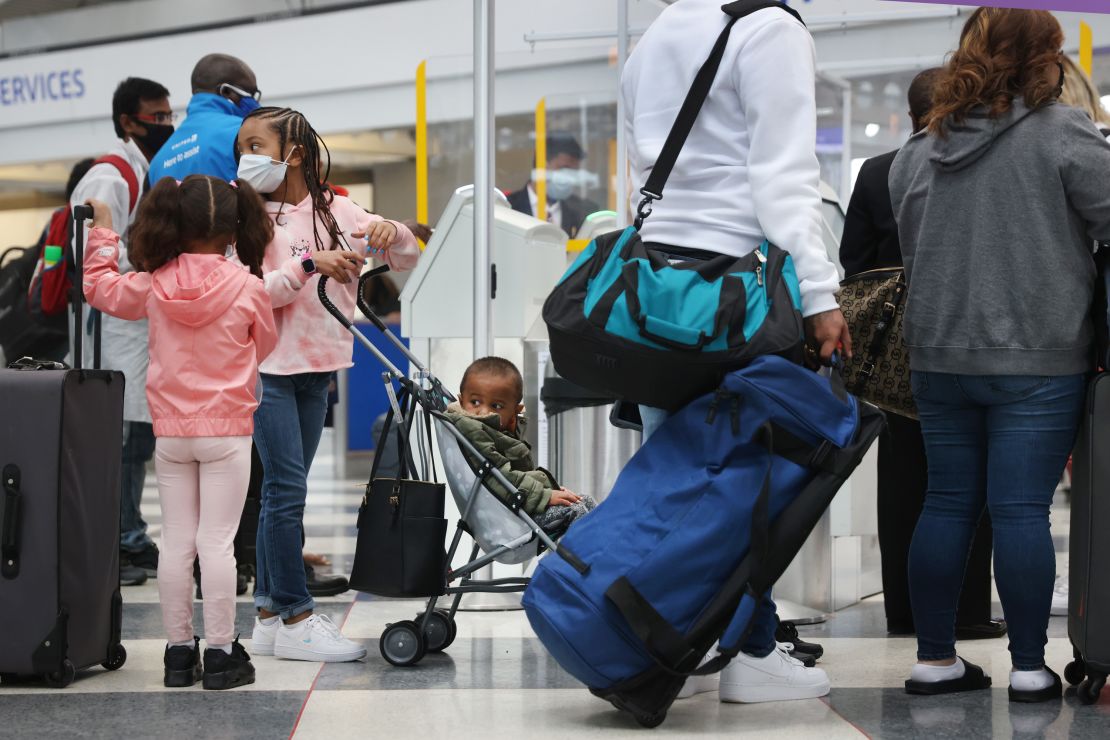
<point x="210" y="326"/>
<point x="310" y="339"/>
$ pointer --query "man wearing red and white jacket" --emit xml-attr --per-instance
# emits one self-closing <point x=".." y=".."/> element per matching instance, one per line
<point x="747" y="172"/>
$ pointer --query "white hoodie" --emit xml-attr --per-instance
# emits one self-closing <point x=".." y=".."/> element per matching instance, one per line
<point x="749" y="170"/>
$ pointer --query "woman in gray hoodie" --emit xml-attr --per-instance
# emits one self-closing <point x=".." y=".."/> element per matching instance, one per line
<point x="997" y="203"/>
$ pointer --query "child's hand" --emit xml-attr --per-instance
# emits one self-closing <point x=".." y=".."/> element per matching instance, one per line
<point x="102" y="214"/>
<point x="340" y="265"/>
<point x="563" y="497"/>
<point x="380" y="236"/>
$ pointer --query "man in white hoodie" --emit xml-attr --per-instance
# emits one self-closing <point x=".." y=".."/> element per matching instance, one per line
<point x="747" y="172"/>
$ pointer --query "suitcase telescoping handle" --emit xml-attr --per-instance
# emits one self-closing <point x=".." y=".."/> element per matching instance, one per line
<point x="82" y="213"/>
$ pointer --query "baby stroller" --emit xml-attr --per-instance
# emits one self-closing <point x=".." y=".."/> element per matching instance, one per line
<point x="501" y="530"/>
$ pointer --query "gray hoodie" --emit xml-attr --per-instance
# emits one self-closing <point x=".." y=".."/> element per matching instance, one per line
<point x="997" y="223"/>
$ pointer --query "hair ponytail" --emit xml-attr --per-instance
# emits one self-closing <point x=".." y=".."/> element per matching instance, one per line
<point x="155" y="236"/>
<point x="255" y="230"/>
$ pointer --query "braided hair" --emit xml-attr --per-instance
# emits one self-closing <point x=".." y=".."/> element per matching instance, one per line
<point x="292" y="127"/>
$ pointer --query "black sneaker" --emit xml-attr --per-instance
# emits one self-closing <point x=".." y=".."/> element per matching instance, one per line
<point x="324" y="585"/>
<point x="147" y="559"/>
<point x="223" y="671"/>
<point x="182" y="665"/>
<point x="129" y="575"/>
<point x="788" y="632"/>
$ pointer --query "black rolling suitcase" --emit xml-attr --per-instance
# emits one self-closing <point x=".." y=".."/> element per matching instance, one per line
<point x="1089" y="589"/>
<point x="59" y="536"/>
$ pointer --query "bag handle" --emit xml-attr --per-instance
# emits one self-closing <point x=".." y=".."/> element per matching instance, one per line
<point x="10" y="522"/>
<point x="675" y="336"/>
<point x="882" y="330"/>
<point x="692" y="105"/>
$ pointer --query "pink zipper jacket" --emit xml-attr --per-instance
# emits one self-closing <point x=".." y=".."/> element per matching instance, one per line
<point x="210" y="326"/>
<point x="310" y="340"/>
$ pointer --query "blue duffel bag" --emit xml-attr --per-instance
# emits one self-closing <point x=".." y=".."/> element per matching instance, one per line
<point x="702" y="521"/>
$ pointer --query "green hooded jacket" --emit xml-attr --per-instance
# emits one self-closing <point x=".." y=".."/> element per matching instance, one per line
<point x="508" y="453"/>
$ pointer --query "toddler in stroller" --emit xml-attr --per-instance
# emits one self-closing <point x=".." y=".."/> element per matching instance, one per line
<point x="489" y="414"/>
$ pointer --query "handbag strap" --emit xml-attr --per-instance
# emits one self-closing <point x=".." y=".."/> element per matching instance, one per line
<point x="882" y="330"/>
<point x="695" y="99"/>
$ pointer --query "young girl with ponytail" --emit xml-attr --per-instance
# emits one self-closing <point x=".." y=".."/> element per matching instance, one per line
<point x="316" y="231"/>
<point x="211" y="325"/>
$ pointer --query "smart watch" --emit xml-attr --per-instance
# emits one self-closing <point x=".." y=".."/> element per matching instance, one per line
<point x="308" y="264"/>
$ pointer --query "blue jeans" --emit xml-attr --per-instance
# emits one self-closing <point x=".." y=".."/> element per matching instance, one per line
<point x="998" y="442"/>
<point x="138" y="449"/>
<point x="761" y="641"/>
<point x="287" y="429"/>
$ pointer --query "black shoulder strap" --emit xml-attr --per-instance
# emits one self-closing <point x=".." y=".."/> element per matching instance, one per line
<point x="699" y="91"/>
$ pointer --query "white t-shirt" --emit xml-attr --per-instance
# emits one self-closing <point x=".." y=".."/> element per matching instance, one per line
<point x="749" y="169"/>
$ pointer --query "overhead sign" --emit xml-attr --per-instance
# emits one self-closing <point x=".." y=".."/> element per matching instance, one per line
<point x="1077" y="6"/>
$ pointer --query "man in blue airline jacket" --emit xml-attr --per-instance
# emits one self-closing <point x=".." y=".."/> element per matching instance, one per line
<point x="224" y="92"/>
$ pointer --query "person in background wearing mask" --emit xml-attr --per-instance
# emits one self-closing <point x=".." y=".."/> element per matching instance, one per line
<point x="143" y="121"/>
<point x="224" y="92"/>
<point x="564" y="176"/>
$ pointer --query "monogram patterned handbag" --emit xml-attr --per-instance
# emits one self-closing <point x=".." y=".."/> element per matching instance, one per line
<point x="874" y="304"/>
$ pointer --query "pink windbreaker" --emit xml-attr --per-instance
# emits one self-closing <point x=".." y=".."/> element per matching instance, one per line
<point x="310" y="340"/>
<point x="210" y="326"/>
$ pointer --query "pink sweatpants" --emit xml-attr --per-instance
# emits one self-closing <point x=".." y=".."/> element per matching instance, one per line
<point x="202" y="484"/>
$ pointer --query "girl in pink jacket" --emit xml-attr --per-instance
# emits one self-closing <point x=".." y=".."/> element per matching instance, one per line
<point x="211" y="325"/>
<point x="315" y="231"/>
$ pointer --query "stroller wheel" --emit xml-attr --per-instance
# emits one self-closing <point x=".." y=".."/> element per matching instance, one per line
<point x="402" y="644"/>
<point x="440" y="632"/>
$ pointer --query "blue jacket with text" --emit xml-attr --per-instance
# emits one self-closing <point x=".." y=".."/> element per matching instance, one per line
<point x="203" y="145"/>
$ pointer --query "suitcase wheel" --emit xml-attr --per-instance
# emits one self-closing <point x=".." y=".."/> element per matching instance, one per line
<point x="402" y="644"/>
<point x="61" y="678"/>
<point x="440" y="632"/>
<point x="1090" y="689"/>
<point x="117" y="656"/>
<point x="1075" y="672"/>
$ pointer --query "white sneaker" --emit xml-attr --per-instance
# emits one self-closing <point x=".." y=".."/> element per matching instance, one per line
<point x="1060" y="597"/>
<point x="777" y="677"/>
<point x="262" y="639"/>
<point x="699" y="685"/>
<point x="316" y="639"/>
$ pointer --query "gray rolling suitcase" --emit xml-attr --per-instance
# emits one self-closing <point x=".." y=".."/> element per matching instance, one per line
<point x="1089" y="588"/>
<point x="60" y="445"/>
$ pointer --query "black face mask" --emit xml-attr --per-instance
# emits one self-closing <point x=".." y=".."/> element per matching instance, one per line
<point x="156" y="135"/>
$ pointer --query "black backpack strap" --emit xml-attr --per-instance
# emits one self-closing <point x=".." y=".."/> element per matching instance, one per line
<point x="695" y="99"/>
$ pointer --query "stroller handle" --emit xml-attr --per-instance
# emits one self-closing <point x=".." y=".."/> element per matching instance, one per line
<point x="329" y="305"/>
<point x="363" y="306"/>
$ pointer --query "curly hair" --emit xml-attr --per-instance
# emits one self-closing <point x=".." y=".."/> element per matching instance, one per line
<point x="292" y="126"/>
<point x="1003" y="54"/>
<point x="173" y="215"/>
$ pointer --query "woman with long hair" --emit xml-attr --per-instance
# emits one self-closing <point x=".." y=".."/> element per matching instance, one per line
<point x="998" y="203"/>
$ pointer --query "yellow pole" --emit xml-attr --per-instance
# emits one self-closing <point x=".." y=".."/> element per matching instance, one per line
<point x="422" y="142"/>
<point x="1086" y="48"/>
<point x="541" y="160"/>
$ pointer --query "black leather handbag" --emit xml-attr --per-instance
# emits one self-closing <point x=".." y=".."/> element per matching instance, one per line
<point x="401" y="527"/>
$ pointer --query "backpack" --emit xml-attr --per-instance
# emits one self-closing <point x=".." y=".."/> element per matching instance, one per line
<point x="52" y="283"/>
<point x="20" y="334"/>
<point x="698" y="527"/>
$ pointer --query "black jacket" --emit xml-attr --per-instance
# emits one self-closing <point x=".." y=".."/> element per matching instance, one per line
<point x="870" y="239"/>
<point x="574" y="209"/>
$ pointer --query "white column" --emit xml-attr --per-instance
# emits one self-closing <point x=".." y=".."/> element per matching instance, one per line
<point x="483" y="175"/>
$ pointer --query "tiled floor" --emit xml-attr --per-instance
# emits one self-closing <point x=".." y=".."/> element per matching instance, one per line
<point x="497" y="681"/>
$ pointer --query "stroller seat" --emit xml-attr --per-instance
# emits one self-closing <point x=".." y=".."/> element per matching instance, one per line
<point x="489" y="520"/>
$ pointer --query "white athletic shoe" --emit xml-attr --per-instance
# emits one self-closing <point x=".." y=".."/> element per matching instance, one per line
<point x="699" y="685"/>
<point x="1060" y="597"/>
<point x="316" y="639"/>
<point x="262" y="639"/>
<point x="776" y="677"/>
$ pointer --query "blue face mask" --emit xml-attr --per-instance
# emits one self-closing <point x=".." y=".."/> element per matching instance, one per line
<point x="246" y="105"/>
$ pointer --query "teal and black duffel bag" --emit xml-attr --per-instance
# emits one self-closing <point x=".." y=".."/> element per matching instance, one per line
<point x="655" y="327"/>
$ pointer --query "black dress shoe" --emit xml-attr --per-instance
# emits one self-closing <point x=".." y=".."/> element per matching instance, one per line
<point x="182" y="665"/>
<point x="223" y="671"/>
<point x="327" y="584"/>
<point x="129" y="575"/>
<point x="993" y="628"/>
<point x="807" y="652"/>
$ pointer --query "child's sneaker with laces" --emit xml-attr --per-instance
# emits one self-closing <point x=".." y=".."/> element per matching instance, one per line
<point x="262" y="639"/>
<point x="226" y="671"/>
<point x="315" y="639"/>
<point x="182" y="665"/>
